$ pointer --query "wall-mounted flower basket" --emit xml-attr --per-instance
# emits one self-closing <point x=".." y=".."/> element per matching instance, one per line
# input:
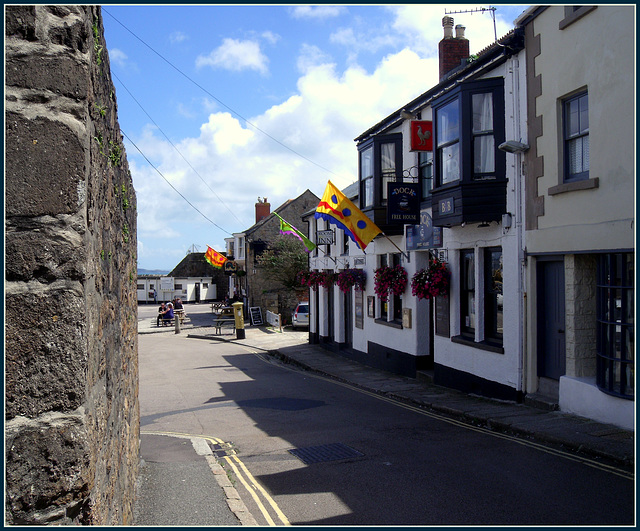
<point x="390" y="280"/>
<point x="348" y="278"/>
<point x="432" y="281"/>
<point x="313" y="279"/>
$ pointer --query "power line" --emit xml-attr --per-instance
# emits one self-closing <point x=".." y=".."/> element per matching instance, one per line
<point x="174" y="147"/>
<point x="218" y="100"/>
<point x="174" y="188"/>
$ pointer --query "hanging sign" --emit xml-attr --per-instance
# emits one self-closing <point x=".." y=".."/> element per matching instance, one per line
<point x="424" y="235"/>
<point x="403" y="203"/>
<point x="421" y="135"/>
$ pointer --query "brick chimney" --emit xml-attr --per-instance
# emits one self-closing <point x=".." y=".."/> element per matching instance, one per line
<point x="452" y="50"/>
<point x="263" y="209"/>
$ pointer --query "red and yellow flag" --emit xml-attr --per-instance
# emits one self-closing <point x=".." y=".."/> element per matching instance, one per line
<point x="214" y="257"/>
<point x="338" y="210"/>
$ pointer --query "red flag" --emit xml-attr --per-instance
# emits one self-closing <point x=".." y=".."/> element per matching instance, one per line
<point x="214" y="257"/>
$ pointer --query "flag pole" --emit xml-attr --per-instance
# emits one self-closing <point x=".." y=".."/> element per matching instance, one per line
<point x="393" y="243"/>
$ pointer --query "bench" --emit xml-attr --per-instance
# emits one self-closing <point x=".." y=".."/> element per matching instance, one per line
<point x="219" y="323"/>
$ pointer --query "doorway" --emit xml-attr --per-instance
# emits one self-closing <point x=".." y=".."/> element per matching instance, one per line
<point x="551" y="319"/>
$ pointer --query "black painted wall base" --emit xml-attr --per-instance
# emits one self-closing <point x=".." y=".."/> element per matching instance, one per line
<point x="381" y="357"/>
<point x="471" y="384"/>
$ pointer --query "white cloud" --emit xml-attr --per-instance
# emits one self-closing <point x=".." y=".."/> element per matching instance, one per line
<point x="236" y="55"/>
<point x="239" y="162"/>
<point x="318" y="12"/>
<point x="178" y="36"/>
<point x="118" y="57"/>
<point x="270" y="37"/>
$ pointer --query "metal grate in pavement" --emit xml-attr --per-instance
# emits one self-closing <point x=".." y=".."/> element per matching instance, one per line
<point x="325" y="452"/>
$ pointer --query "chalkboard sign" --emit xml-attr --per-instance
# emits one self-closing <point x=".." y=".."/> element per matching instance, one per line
<point x="256" y="315"/>
<point x="442" y="315"/>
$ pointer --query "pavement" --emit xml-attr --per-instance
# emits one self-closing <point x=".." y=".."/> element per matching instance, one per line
<point x="581" y="437"/>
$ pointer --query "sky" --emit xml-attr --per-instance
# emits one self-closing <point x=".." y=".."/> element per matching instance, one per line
<point x="220" y="105"/>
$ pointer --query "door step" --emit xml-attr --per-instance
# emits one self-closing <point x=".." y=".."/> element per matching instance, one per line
<point x="540" y="401"/>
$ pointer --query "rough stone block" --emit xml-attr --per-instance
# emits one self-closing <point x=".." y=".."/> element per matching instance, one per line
<point x="46" y="358"/>
<point x="63" y="74"/>
<point x="46" y="465"/>
<point x="45" y="166"/>
<point x="45" y="252"/>
<point x="20" y="21"/>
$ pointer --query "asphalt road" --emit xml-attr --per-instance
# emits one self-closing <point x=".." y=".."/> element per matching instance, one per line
<point x="402" y="466"/>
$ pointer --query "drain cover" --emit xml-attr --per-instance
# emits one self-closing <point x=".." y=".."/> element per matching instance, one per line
<point x="325" y="452"/>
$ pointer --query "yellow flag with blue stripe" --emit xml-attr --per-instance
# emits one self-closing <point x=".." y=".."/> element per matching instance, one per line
<point x="337" y="209"/>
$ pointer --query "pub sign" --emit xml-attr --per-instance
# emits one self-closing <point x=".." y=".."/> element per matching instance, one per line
<point x="403" y="203"/>
<point x="421" y="135"/>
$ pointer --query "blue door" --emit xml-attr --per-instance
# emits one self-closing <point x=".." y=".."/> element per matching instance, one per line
<point x="551" y="319"/>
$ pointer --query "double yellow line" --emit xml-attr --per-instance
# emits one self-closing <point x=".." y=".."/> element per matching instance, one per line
<point x="253" y="487"/>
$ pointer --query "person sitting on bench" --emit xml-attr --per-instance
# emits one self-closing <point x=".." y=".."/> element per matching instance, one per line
<point x="161" y="311"/>
<point x="167" y="315"/>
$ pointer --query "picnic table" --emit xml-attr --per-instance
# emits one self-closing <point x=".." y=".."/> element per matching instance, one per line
<point x="217" y="306"/>
<point x="224" y="317"/>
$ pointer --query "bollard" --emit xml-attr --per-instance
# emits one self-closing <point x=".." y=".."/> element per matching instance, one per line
<point x="177" y="320"/>
<point x="237" y="314"/>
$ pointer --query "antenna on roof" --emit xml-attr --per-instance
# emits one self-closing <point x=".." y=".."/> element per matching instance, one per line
<point x="479" y="10"/>
<point x="193" y="249"/>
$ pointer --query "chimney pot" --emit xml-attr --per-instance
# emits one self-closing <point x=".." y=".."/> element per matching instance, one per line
<point x="451" y="52"/>
<point x="447" y="24"/>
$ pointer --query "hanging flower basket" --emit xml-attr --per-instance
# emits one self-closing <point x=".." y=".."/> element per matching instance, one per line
<point x="313" y="279"/>
<point x="347" y="278"/>
<point x="432" y="281"/>
<point x="390" y="279"/>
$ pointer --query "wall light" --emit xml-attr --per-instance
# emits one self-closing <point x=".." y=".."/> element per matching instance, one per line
<point x="512" y="146"/>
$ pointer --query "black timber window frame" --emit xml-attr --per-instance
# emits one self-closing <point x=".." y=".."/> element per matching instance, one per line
<point x="469" y="134"/>
<point x="575" y="131"/>
<point x="615" y="335"/>
<point x="467" y="294"/>
<point x="425" y="173"/>
<point x="493" y="296"/>
<point x="377" y="167"/>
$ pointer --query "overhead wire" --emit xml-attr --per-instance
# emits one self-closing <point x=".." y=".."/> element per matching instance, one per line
<point x="218" y="100"/>
<point x="174" y="147"/>
<point x="174" y="188"/>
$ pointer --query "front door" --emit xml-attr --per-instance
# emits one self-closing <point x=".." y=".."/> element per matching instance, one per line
<point x="197" y="291"/>
<point x="551" y="320"/>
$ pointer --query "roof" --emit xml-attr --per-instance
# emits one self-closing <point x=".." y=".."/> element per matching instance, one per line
<point x="511" y="43"/>
<point x="194" y="265"/>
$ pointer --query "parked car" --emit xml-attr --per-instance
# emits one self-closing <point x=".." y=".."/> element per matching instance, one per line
<point x="301" y="316"/>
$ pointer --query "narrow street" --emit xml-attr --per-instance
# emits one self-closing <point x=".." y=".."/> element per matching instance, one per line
<point x="306" y="450"/>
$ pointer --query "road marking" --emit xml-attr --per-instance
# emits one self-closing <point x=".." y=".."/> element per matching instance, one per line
<point x="416" y="409"/>
<point x="250" y="483"/>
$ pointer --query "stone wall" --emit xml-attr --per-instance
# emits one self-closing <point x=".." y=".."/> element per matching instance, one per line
<point x="262" y="290"/>
<point x="71" y="380"/>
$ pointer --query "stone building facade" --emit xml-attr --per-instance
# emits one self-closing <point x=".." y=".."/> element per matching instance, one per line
<point x="258" y="288"/>
<point x="71" y="363"/>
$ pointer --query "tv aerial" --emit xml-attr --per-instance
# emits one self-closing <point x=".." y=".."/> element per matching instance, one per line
<point x="479" y="10"/>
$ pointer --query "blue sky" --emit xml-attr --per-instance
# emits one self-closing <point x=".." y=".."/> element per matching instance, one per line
<point x="235" y="102"/>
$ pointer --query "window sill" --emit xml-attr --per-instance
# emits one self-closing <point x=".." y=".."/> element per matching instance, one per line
<point x="587" y="184"/>
<point x="392" y="324"/>
<point x="482" y="345"/>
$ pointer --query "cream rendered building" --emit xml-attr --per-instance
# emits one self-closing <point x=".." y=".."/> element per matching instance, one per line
<point x="580" y="209"/>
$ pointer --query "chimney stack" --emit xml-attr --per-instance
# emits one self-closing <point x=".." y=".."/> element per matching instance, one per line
<point x="452" y="51"/>
<point x="263" y="209"/>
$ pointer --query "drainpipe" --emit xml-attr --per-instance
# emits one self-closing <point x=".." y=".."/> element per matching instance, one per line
<point x="522" y="321"/>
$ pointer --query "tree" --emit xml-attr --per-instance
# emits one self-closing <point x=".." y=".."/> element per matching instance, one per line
<point x="284" y="259"/>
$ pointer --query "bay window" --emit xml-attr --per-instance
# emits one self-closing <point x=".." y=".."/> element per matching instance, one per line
<point x="469" y="169"/>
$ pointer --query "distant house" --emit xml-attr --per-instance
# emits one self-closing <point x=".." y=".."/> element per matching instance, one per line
<point x="256" y="288"/>
<point x="193" y="280"/>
